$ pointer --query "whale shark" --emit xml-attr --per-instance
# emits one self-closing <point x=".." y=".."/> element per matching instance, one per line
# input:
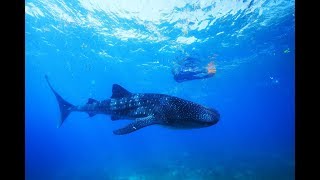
<point x="144" y="109"/>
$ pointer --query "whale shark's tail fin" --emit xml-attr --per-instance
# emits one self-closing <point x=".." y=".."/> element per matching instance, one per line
<point x="65" y="107"/>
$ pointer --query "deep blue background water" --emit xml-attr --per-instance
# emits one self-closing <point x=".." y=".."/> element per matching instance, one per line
<point x="86" y="46"/>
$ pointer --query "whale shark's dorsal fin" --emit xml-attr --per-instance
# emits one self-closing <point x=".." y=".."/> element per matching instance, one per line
<point x="91" y="101"/>
<point x="119" y="92"/>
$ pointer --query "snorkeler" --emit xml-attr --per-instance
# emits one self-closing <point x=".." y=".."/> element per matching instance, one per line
<point x="191" y="68"/>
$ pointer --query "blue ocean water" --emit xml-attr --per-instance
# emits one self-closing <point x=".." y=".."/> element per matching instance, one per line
<point x="85" y="46"/>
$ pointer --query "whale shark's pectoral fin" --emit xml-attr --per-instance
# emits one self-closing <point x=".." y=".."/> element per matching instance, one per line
<point x="115" y="117"/>
<point x="91" y="114"/>
<point x="137" y="124"/>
